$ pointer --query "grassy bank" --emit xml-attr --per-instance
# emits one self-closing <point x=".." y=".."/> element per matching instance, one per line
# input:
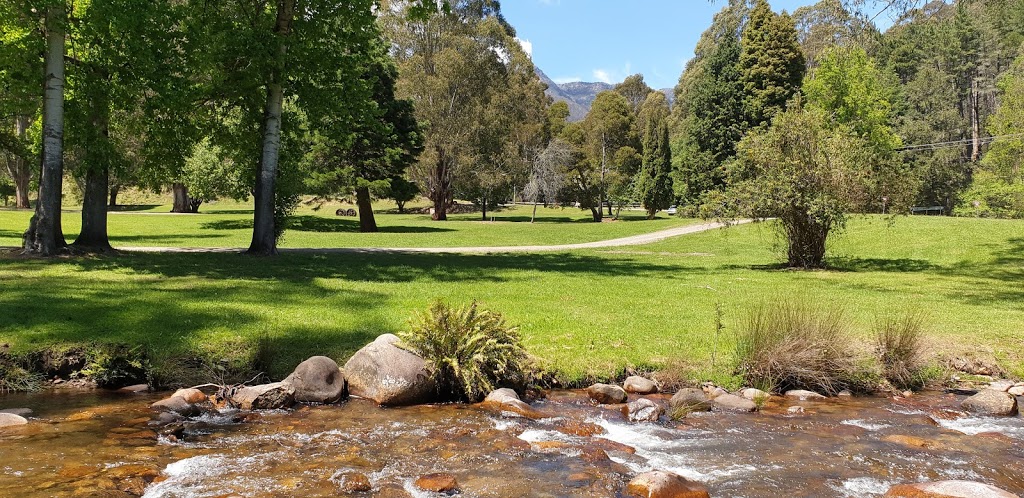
<point x="584" y="314"/>
<point x="230" y="225"/>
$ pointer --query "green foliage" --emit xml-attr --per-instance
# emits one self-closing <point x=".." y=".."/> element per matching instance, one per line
<point x="771" y="64"/>
<point x="469" y="351"/>
<point x="401" y="191"/>
<point x="793" y="346"/>
<point x="654" y="180"/>
<point x="1006" y="157"/>
<point x="900" y="348"/>
<point x="14" y="377"/>
<point x="990" y="196"/>
<point x="210" y="175"/>
<point x="116" y="365"/>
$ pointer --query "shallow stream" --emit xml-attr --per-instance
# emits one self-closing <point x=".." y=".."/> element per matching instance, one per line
<point x="102" y="444"/>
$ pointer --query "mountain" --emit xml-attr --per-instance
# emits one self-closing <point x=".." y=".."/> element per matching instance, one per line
<point x="580" y="95"/>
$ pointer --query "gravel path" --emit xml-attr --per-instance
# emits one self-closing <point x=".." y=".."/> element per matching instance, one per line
<point x="634" y="240"/>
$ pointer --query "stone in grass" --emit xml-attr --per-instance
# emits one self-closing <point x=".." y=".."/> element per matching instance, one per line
<point x="11" y="420"/>
<point x="659" y="484"/>
<point x="639" y="385"/>
<point x="991" y="403"/>
<point x="389" y="375"/>
<point x="264" y="397"/>
<point x="643" y="410"/>
<point x="441" y="482"/>
<point x="607" y="394"/>
<point x="804" y="395"/>
<point x="947" y="489"/>
<point x="733" y="403"/>
<point x="317" y="380"/>
<point x="691" y="400"/>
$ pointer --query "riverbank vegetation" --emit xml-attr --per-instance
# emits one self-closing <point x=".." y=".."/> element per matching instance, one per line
<point x="584" y="315"/>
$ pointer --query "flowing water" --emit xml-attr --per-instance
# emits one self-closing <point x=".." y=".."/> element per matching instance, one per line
<point x="102" y="444"/>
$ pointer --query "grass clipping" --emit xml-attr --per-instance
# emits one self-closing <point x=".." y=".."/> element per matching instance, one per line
<point x="470" y="351"/>
<point x="791" y="346"/>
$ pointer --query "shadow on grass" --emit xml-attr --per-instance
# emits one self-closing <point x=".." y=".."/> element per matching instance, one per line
<point x="127" y="208"/>
<point x="318" y="224"/>
<point x="895" y="265"/>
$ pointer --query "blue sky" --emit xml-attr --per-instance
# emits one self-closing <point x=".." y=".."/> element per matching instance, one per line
<point x="607" y="40"/>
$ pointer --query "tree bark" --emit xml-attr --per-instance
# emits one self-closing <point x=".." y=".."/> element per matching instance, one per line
<point x="534" y="215"/>
<point x="806" y="238"/>
<point x="264" y="235"/>
<point x="181" y="200"/>
<point x="596" y="213"/>
<point x="18" y="168"/>
<point x="114" y="190"/>
<point x="440" y="191"/>
<point x="44" y="236"/>
<point x="975" y="122"/>
<point x="401" y="207"/>
<point x="366" y="221"/>
<point x="483" y="210"/>
<point x="93" y="236"/>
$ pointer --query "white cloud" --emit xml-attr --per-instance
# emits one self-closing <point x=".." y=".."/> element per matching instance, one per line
<point x="566" y="79"/>
<point x="527" y="46"/>
<point x="549" y="2"/>
<point x="602" y="76"/>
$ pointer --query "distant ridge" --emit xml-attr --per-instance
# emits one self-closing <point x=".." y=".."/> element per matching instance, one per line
<point x="580" y="95"/>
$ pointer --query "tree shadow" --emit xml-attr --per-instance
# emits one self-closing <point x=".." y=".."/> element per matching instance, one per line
<point x="893" y="265"/>
<point x="128" y="208"/>
<point x="172" y="237"/>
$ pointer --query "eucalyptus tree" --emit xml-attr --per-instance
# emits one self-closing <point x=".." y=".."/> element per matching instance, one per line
<point x="607" y="129"/>
<point x="635" y="90"/>
<point x="20" y="99"/>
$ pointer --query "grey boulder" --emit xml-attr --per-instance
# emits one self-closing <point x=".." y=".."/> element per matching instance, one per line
<point x="389" y="375"/>
<point x="317" y="380"/>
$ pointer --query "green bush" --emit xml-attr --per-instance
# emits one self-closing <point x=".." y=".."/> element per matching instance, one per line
<point x="900" y="347"/>
<point x="992" y="197"/>
<point x="469" y="351"/>
<point x="791" y="346"/>
<point x="116" y="365"/>
<point x="14" y="377"/>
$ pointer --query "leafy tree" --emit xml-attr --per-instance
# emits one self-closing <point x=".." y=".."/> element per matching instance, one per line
<point x="635" y="90"/>
<point x="401" y="191"/>
<point x="1006" y="157"/>
<point x="806" y="172"/>
<point x="771" y="64"/>
<point x="607" y="128"/>
<point x="20" y="99"/>
<point x="828" y="23"/>
<point x="210" y="175"/>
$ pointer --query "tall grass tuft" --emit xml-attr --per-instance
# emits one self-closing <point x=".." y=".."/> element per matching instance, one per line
<point x="470" y="351"/>
<point x="792" y="346"/>
<point x="14" y="377"/>
<point x="900" y="347"/>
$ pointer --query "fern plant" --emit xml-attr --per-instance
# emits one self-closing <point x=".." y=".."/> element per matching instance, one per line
<point x="470" y="351"/>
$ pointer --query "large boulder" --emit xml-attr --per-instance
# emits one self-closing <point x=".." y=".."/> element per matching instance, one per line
<point x="11" y="420"/>
<point x="733" y="403"/>
<point x="643" y="410"/>
<point x="176" y="404"/>
<point x="947" y="489"/>
<point x="754" y="395"/>
<point x="389" y="375"/>
<point x="639" y="385"/>
<point x="659" y="484"/>
<point x="506" y="402"/>
<point x="991" y="403"/>
<point x="190" y="395"/>
<point x="317" y="380"/>
<point x="264" y="397"/>
<point x="607" y="394"/>
<point x="691" y="400"/>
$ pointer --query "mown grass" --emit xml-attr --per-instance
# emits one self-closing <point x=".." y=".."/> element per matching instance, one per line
<point x="586" y="314"/>
<point x="229" y="224"/>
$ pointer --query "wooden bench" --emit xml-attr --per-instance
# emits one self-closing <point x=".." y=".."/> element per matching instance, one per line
<point x="940" y="210"/>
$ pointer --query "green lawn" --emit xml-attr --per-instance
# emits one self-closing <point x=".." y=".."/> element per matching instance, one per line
<point x="584" y="313"/>
<point x="230" y="225"/>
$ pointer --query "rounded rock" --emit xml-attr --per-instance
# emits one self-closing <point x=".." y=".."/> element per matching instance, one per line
<point x="639" y="385"/>
<point x="11" y="420"/>
<point x="659" y="484"/>
<point x="643" y="410"/>
<point x="443" y="483"/>
<point x="690" y="399"/>
<point x="389" y="375"/>
<point x="607" y="394"/>
<point x="804" y="395"/>
<point x="317" y="380"/>
<point x="190" y="395"/>
<point x="990" y="402"/>
<point x="733" y="403"/>
<point x="947" y="489"/>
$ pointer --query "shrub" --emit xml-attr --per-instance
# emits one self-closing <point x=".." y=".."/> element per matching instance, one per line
<point x="15" y="378"/>
<point x="791" y="346"/>
<point x="900" y="347"/>
<point x="469" y="351"/>
<point x="116" y="365"/>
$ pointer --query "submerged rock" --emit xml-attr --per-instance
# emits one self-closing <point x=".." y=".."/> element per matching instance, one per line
<point x="733" y="403"/>
<point x="11" y="420"/>
<point x="643" y="410"/>
<point x="690" y="399"/>
<point x="443" y="483"/>
<point x="947" y="489"/>
<point x="389" y="375"/>
<point x="607" y="394"/>
<point x="317" y="380"/>
<point x="264" y="397"/>
<point x="506" y="401"/>
<point x="639" y="385"/>
<point x="659" y="484"/>
<point x="804" y="395"/>
<point x="134" y="389"/>
<point x="177" y="405"/>
<point x="754" y="394"/>
<point x="355" y="482"/>
<point x="991" y="402"/>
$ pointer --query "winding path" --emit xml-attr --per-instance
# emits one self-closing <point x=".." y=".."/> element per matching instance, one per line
<point x="634" y="240"/>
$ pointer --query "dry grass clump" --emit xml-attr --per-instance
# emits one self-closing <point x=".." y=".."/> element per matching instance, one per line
<point x="900" y="346"/>
<point x="792" y="346"/>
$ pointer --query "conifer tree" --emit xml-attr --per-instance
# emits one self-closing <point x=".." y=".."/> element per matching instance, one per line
<point x="771" y="64"/>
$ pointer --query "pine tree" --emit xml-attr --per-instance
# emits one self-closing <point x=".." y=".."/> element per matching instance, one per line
<point x="771" y="64"/>
<point x="654" y="180"/>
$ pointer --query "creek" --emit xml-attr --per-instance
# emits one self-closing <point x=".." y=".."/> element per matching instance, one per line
<point x="98" y="443"/>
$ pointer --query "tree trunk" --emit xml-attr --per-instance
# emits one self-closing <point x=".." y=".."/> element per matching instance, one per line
<point x="441" y="187"/>
<point x="181" y="200"/>
<point x="264" y="235"/>
<point x="483" y="211"/>
<point x="401" y="207"/>
<point x="806" y="238"/>
<point x="651" y="213"/>
<point x="193" y="205"/>
<point x="596" y="213"/>
<point x="114" y="190"/>
<point x="534" y="215"/>
<point x="44" y="236"/>
<point x="18" y="167"/>
<point x="94" y="210"/>
<point x="366" y="221"/>
<point x="975" y="122"/>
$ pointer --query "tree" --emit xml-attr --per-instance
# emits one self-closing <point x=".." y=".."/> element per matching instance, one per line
<point x="607" y="128"/>
<point x="20" y="99"/>
<point x="210" y="175"/>
<point x="807" y="173"/>
<point x="401" y="191"/>
<point x="828" y="23"/>
<point x="771" y="64"/>
<point x="1005" y="159"/>
<point x="654" y="180"/>
<point x="635" y="90"/>
<point x="547" y="175"/>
